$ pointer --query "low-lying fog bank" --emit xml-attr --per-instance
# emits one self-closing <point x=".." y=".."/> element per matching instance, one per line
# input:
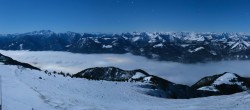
<point x="176" y="72"/>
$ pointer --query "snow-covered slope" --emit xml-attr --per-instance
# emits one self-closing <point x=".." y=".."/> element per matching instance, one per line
<point x="25" y="89"/>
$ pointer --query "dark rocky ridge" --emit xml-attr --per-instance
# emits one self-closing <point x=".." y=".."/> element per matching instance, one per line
<point x="158" y="86"/>
<point x="9" y="61"/>
<point x="163" y="88"/>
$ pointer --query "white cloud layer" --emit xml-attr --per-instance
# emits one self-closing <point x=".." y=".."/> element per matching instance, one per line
<point x="176" y="72"/>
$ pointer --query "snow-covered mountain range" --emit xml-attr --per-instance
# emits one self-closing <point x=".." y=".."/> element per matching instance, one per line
<point x="185" y="47"/>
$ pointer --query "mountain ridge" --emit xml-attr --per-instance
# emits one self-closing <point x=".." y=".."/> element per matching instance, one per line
<point x="220" y="84"/>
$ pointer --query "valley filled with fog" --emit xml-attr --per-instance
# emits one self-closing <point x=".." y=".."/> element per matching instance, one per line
<point x="173" y="71"/>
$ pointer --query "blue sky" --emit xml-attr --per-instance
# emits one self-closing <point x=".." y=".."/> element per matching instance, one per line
<point x="17" y="16"/>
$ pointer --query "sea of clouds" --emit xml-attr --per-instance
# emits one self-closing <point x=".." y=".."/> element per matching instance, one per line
<point x="173" y="71"/>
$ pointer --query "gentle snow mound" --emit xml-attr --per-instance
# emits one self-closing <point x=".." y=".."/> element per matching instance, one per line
<point x="138" y="75"/>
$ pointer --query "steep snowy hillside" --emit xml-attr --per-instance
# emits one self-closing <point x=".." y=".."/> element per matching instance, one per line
<point x="187" y="47"/>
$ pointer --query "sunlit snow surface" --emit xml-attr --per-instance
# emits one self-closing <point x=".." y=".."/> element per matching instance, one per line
<point x="24" y="90"/>
<point x="176" y="72"/>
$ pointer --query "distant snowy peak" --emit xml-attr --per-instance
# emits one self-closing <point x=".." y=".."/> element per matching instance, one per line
<point x="239" y="45"/>
<point x="134" y="39"/>
<point x="224" y="83"/>
<point x="160" y="45"/>
<point x="40" y="33"/>
<point x="196" y="49"/>
<point x="194" y="37"/>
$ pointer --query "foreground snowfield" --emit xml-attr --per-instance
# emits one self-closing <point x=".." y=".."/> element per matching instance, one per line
<point x="24" y="90"/>
<point x="175" y="72"/>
